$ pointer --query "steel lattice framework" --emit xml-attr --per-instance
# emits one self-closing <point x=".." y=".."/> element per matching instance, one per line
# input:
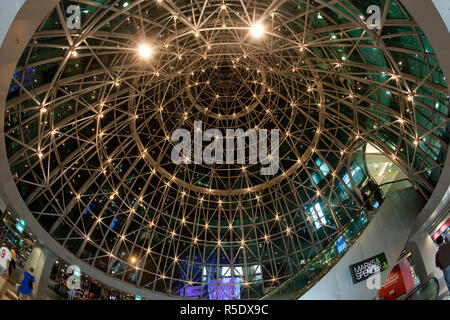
<point x="88" y="125"/>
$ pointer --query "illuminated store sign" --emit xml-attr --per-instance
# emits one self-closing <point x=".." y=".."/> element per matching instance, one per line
<point x="362" y="270"/>
<point x="19" y="227"/>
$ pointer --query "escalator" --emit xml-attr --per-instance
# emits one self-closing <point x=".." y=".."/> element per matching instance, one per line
<point x="320" y="265"/>
<point x="427" y="290"/>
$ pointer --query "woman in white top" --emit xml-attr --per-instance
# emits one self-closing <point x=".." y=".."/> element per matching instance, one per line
<point x="5" y="259"/>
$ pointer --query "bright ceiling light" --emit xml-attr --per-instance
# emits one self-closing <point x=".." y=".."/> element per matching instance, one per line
<point x="145" y="51"/>
<point x="257" y="30"/>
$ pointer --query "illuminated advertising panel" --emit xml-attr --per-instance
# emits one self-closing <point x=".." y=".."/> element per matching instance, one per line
<point x="364" y="269"/>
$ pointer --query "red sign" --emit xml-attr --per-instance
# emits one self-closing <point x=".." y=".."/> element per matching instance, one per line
<point x="398" y="282"/>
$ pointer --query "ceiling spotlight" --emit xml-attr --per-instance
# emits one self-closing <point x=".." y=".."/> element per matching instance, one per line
<point x="145" y="51"/>
<point x="257" y="30"/>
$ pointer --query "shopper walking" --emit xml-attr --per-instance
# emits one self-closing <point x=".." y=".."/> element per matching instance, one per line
<point x="366" y="202"/>
<point x="26" y="286"/>
<point x="12" y="263"/>
<point x="375" y="190"/>
<point x="5" y="259"/>
<point x="443" y="259"/>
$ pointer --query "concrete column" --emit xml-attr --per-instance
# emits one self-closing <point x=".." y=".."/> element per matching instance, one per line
<point x="417" y="259"/>
<point x="41" y="260"/>
<point x="425" y="250"/>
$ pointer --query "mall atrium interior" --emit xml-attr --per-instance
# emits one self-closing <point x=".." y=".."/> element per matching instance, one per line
<point x="92" y="91"/>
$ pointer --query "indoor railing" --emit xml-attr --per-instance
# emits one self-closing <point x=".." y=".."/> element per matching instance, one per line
<point x="319" y="266"/>
<point x="427" y="290"/>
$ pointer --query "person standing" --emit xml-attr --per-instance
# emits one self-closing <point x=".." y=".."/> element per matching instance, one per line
<point x="443" y="259"/>
<point x="366" y="201"/>
<point x="26" y="286"/>
<point x="375" y="190"/>
<point x="12" y="263"/>
<point x="5" y="258"/>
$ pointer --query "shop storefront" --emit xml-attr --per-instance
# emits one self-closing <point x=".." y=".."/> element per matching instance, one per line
<point x="89" y="288"/>
<point x="443" y="231"/>
<point x="15" y="235"/>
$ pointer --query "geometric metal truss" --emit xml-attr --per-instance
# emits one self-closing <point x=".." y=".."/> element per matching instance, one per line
<point x="88" y="123"/>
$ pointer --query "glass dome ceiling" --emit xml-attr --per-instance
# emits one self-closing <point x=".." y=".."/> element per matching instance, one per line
<point x="88" y="125"/>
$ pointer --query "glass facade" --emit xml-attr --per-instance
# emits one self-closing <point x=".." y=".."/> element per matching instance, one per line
<point x="88" y="125"/>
